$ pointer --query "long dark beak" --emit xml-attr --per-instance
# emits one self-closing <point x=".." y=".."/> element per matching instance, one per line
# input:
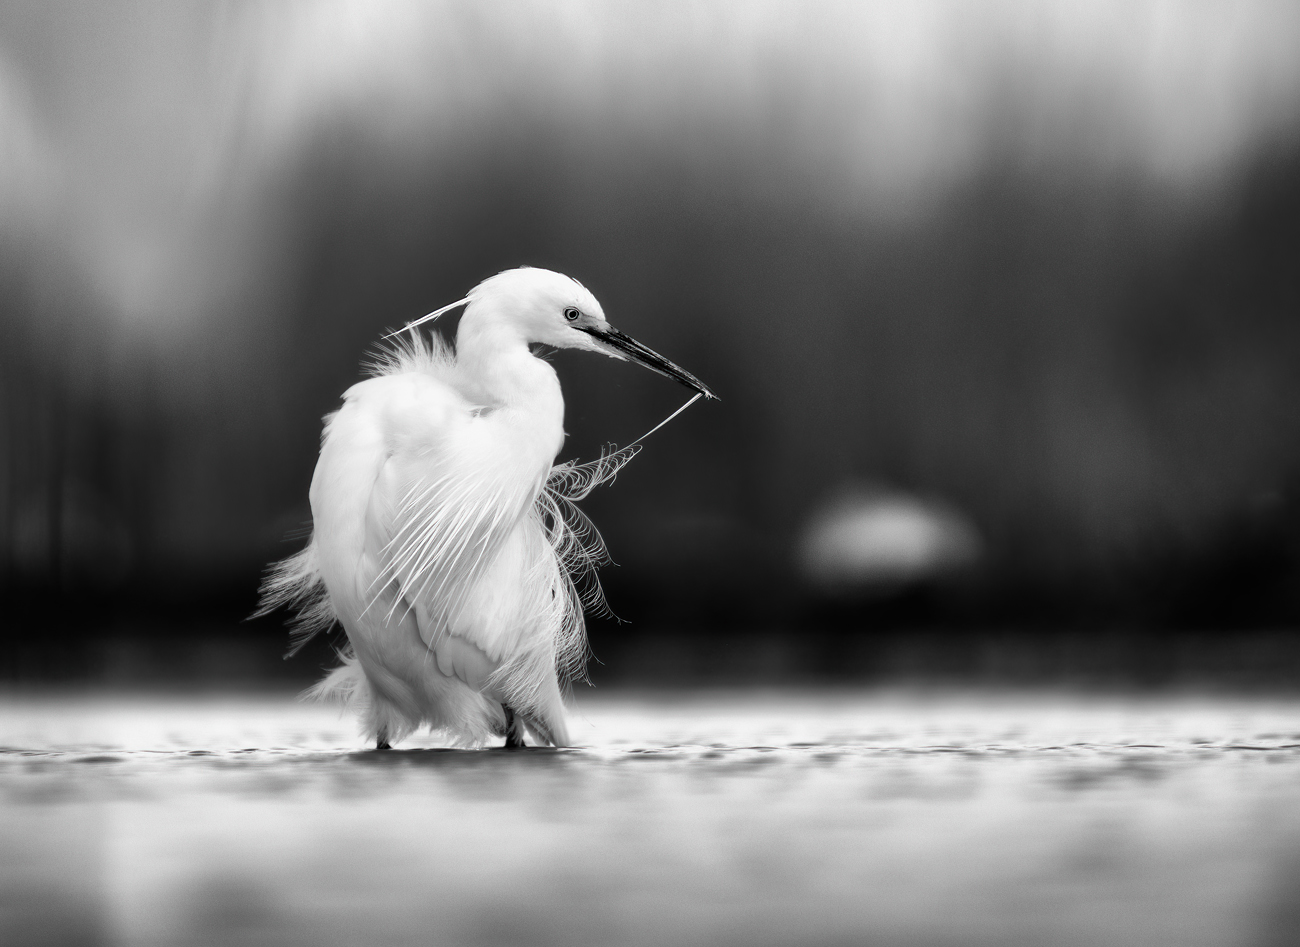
<point x="634" y="350"/>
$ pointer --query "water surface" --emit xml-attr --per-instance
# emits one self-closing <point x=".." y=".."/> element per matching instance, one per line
<point x="720" y="818"/>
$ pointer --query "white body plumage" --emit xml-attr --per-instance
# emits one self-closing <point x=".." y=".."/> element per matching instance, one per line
<point x="444" y="539"/>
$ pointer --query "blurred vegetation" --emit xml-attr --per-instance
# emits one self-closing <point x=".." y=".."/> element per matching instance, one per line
<point x="1096" y="358"/>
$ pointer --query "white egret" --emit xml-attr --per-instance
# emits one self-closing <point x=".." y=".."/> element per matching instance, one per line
<point x="445" y="540"/>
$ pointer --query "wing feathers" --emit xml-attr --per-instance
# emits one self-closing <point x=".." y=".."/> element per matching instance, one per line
<point x="447" y="499"/>
<point x="445" y="530"/>
<point x="453" y="511"/>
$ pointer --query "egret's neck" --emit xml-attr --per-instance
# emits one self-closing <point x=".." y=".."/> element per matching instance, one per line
<point x="493" y="357"/>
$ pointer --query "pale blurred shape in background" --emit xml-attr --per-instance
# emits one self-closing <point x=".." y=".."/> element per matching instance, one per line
<point x="873" y="539"/>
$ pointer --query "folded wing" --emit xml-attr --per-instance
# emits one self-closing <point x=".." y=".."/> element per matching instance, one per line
<point x="447" y="502"/>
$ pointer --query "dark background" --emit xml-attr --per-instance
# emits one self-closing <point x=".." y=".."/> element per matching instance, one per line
<point x="1001" y="301"/>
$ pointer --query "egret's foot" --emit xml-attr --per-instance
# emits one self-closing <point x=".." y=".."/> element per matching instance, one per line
<point x="381" y="742"/>
<point x="514" y="729"/>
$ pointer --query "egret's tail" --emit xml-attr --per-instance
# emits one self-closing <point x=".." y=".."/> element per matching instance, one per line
<point x="344" y="684"/>
<point x="296" y="582"/>
<point x="548" y="733"/>
<point x="347" y="684"/>
<point x="528" y="685"/>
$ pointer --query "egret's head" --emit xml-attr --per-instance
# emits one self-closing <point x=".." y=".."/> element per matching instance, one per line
<point x="542" y="305"/>
<point x="556" y="310"/>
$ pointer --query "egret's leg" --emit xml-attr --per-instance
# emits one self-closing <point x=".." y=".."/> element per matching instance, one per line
<point x="514" y="729"/>
<point x="381" y="741"/>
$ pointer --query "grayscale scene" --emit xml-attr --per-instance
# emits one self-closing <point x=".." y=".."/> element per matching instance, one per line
<point x="843" y="487"/>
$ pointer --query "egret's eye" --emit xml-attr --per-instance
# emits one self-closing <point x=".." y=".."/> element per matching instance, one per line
<point x="571" y="314"/>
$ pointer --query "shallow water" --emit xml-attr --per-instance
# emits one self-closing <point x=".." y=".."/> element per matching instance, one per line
<point x="746" y="818"/>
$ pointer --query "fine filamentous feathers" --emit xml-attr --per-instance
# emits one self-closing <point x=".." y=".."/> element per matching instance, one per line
<point x="457" y="561"/>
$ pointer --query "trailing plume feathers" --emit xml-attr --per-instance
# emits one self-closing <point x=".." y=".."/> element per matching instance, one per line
<point x="579" y="552"/>
<point x="573" y="536"/>
<point x="296" y="582"/>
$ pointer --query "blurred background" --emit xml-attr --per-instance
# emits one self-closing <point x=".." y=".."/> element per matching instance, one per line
<point x="1001" y="299"/>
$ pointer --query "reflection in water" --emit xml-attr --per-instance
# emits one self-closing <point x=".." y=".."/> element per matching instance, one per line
<point x="756" y="819"/>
